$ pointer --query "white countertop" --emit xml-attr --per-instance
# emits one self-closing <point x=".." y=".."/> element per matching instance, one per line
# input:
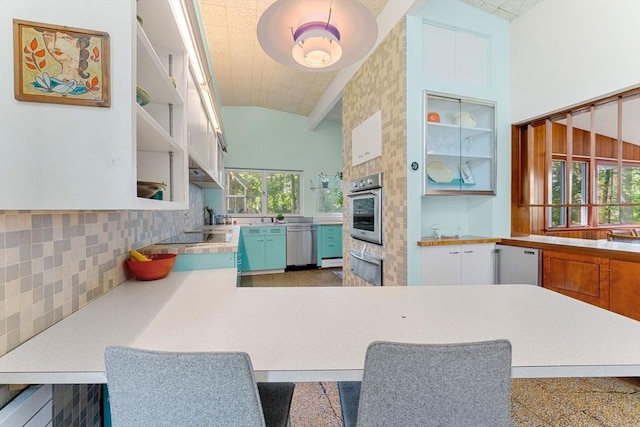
<point x="580" y="243"/>
<point x="321" y="334"/>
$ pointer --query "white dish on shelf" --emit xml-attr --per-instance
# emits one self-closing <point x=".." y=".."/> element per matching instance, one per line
<point x="439" y="172"/>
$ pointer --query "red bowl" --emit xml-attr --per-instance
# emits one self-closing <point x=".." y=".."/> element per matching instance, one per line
<point x="159" y="267"/>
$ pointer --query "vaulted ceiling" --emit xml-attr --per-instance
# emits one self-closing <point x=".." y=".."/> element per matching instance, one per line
<point x="246" y="76"/>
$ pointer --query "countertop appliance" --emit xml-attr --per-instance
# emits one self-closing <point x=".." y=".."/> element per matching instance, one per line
<point x="301" y="245"/>
<point x="517" y="265"/>
<point x="366" y="208"/>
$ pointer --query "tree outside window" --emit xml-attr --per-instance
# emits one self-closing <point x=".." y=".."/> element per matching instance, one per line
<point x="263" y="192"/>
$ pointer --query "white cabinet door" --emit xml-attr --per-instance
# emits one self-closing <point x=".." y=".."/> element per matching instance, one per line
<point x="471" y="264"/>
<point x="441" y="265"/>
<point x="477" y="264"/>
<point x="366" y="140"/>
<point x="196" y="123"/>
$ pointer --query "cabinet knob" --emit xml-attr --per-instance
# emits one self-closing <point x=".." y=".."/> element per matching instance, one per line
<point x="453" y="252"/>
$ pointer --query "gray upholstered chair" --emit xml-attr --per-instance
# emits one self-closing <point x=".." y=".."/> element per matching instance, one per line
<point x="467" y="384"/>
<point x="152" y="388"/>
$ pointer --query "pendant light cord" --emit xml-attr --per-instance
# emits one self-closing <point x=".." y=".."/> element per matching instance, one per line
<point x="329" y="18"/>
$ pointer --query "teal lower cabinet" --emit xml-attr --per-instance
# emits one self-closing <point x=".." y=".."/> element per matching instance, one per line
<point x="329" y="242"/>
<point x="106" y="407"/>
<point x="206" y="261"/>
<point x="263" y="248"/>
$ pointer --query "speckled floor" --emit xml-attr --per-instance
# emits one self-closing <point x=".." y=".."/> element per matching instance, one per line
<point x="544" y="402"/>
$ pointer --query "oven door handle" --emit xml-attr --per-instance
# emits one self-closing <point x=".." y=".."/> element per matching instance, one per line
<point x="361" y="193"/>
<point x="370" y="261"/>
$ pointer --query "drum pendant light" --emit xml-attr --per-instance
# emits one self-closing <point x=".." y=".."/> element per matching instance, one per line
<point x="317" y="35"/>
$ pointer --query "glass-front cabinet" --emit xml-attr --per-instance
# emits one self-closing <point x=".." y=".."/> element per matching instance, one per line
<point x="460" y="146"/>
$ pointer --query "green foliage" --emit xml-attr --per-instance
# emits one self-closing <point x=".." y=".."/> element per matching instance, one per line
<point x="245" y="191"/>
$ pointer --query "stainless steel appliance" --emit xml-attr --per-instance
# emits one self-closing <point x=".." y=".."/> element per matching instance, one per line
<point x="516" y="265"/>
<point x="301" y="245"/>
<point x="366" y="208"/>
<point x="366" y="266"/>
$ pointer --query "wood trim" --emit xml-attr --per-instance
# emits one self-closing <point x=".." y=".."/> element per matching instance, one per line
<point x="593" y="190"/>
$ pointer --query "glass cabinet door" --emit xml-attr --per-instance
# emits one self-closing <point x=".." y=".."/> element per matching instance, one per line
<point x="459" y="146"/>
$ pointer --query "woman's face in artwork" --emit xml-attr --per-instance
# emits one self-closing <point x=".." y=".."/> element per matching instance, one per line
<point x="62" y="46"/>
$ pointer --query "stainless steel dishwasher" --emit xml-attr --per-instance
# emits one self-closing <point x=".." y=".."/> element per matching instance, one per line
<point x="301" y="245"/>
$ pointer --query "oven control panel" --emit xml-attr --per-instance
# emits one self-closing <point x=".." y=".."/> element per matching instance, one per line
<point x="370" y="182"/>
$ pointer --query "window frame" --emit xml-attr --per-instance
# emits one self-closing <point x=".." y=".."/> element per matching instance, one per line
<point x="264" y="190"/>
<point x="538" y="143"/>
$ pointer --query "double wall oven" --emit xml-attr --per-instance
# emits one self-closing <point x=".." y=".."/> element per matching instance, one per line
<point x="366" y="208"/>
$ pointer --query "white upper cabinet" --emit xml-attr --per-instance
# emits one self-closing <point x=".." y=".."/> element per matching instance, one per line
<point x="456" y="56"/>
<point x="204" y="148"/>
<point x="366" y="140"/>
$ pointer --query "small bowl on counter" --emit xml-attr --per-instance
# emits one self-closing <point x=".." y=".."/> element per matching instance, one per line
<point x="158" y="268"/>
<point x="147" y="189"/>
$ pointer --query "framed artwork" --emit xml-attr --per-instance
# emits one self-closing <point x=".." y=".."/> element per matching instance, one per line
<point x="60" y="65"/>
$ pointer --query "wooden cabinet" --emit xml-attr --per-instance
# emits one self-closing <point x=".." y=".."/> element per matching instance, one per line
<point x="460" y="146"/>
<point x="579" y="276"/>
<point x="471" y="264"/>
<point x="263" y="248"/>
<point x="624" y="284"/>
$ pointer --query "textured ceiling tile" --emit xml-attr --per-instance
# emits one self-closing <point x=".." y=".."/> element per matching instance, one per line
<point x="247" y="76"/>
<point x="214" y="15"/>
<point x="500" y="13"/>
<point x="518" y="7"/>
<point x="213" y="2"/>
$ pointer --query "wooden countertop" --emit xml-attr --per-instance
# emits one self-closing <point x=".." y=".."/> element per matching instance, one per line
<point x="462" y="240"/>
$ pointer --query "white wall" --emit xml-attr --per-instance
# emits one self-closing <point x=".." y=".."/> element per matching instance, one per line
<point x="35" y="142"/>
<point x="260" y="138"/>
<point x="565" y="52"/>
<point x="478" y="215"/>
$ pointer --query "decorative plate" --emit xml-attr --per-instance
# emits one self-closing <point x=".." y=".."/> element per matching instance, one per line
<point x="439" y="172"/>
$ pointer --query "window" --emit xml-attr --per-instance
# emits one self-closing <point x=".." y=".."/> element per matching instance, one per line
<point x="579" y="170"/>
<point x="329" y="193"/>
<point x="576" y="210"/>
<point x="263" y="192"/>
<point x="610" y="209"/>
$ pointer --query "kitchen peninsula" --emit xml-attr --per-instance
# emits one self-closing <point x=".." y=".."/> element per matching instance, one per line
<point x="204" y="311"/>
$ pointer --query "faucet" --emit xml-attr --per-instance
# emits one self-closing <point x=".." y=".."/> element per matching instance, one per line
<point x="210" y="214"/>
<point x="436" y="231"/>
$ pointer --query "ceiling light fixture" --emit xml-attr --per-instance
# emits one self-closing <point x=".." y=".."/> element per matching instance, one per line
<point x="317" y="35"/>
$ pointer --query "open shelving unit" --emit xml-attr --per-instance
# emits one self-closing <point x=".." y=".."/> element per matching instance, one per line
<point x="160" y="126"/>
